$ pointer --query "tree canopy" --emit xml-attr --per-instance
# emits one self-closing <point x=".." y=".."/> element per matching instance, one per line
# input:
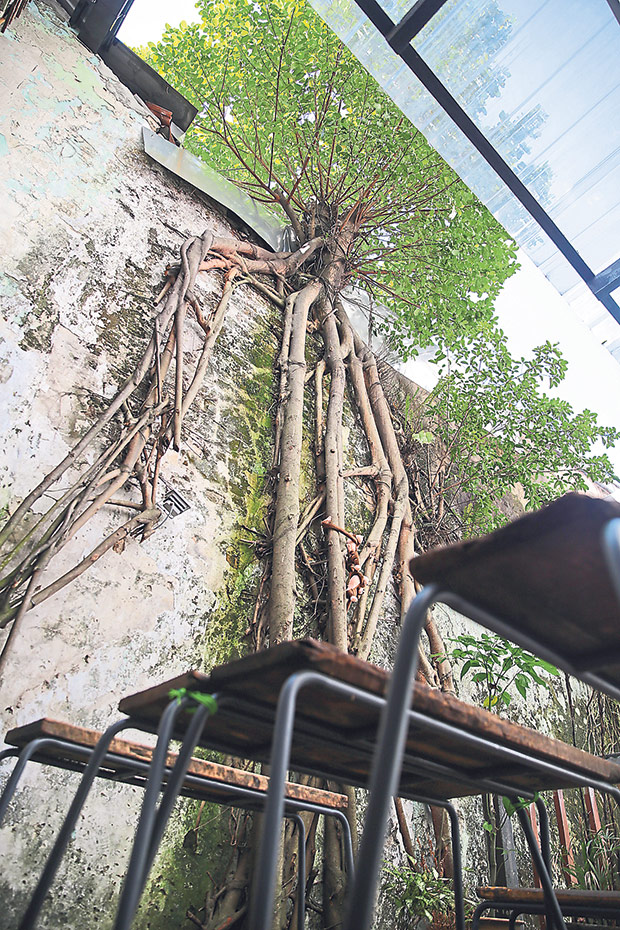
<point x="496" y="432"/>
<point x="286" y="111"/>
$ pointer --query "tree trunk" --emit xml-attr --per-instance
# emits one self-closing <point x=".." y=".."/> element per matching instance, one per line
<point x="334" y="490"/>
<point x="282" y="599"/>
<point x="334" y="878"/>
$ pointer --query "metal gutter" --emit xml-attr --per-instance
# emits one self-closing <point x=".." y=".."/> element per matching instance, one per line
<point x="146" y="83"/>
<point x="96" y="23"/>
<point x="275" y="232"/>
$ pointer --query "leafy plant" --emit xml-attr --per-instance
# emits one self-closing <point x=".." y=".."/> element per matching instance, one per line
<point x="595" y="860"/>
<point x="496" y="664"/>
<point x="418" y="894"/>
<point x="497" y="429"/>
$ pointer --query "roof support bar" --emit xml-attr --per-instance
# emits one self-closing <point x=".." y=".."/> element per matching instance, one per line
<point x="412" y="22"/>
<point x="606" y="280"/>
<point x="97" y="23"/>
<point x="394" y="35"/>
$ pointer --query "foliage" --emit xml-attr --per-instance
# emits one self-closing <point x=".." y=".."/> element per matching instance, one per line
<point x="511" y="807"/>
<point x="417" y="894"/>
<point x="497" y="664"/>
<point x="595" y="860"/>
<point x="497" y="430"/>
<point x="286" y="111"/>
<point x="198" y="698"/>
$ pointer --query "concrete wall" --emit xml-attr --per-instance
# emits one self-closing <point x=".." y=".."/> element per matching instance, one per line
<point x="87" y="228"/>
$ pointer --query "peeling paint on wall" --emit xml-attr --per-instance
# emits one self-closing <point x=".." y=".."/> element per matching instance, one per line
<point x="89" y="225"/>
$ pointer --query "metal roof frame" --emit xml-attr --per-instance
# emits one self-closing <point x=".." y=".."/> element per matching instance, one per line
<point x="399" y="36"/>
<point x="97" y="23"/>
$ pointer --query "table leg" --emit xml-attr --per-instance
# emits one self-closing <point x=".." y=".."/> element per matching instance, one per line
<point x="54" y="859"/>
<point x="482" y="907"/>
<point x="18" y="770"/>
<point x="387" y="763"/>
<point x="545" y="836"/>
<point x="347" y="841"/>
<point x="554" y="914"/>
<point x="455" y="835"/>
<point x="301" y="870"/>
<point x="153" y="820"/>
<point x="174" y="784"/>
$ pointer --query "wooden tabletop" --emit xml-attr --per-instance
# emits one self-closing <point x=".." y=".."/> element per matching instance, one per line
<point x="335" y="735"/>
<point x="570" y="897"/>
<point x="545" y="575"/>
<point x="221" y="777"/>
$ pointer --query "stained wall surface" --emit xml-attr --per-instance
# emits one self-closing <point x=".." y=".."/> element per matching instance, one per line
<point x="88" y="225"/>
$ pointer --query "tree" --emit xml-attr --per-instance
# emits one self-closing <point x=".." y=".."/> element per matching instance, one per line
<point x="286" y="112"/>
<point x="488" y="430"/>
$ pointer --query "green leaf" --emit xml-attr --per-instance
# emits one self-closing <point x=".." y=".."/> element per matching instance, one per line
<point x="548" y="667"/>
<point x="196" y="697"/>
<point x="511" y="807"/>
<point x="423" y="437"/>
<point x="521" y="685"/>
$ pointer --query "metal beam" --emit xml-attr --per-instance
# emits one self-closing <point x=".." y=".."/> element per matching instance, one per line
<point x="606" y="280"/>
<point x="98" y="22"/>
<point x="457" y="114"/>
<point x="413" y="22"/>
<point x="377" y="15"/>
<point x="614" y="6"/>
<point x="610" y="304"/>
<point x="144" y="81"/>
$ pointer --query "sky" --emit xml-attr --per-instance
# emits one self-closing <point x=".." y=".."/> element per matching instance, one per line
<point x="147" y="19"/>
<point x="529" y="308"/>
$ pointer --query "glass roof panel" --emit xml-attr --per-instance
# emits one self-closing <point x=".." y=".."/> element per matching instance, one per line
<point x="542" y="81"/>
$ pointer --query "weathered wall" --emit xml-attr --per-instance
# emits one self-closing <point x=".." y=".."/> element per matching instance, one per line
<point x="88" y="226"/>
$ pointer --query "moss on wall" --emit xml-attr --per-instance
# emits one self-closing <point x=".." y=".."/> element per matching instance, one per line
<point x="191" y="858"/>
